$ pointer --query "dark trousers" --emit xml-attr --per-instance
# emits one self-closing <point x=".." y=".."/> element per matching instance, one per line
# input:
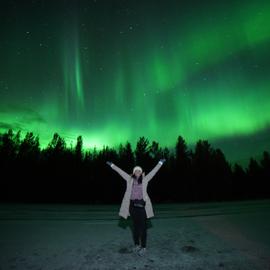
<point x="138" y="217"/>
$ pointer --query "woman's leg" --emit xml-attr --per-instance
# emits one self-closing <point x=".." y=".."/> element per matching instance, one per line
<point x="135" y="217"/>
<point x="143" y="227"/>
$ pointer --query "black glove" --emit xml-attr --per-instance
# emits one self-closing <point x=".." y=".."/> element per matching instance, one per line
<point x="109" y="163"/>
<point x="163" y="160"/>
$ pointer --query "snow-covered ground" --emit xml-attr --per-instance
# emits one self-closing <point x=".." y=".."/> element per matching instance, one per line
<point x="197" y="236"/>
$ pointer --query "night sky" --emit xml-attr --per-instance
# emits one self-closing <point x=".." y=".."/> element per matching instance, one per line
<point x="114" y="71"/>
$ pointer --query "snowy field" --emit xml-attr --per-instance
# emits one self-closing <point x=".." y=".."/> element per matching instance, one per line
<point x="232" y="235"/>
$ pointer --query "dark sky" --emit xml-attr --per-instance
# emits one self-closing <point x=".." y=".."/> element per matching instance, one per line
<point x="113" y="71"/>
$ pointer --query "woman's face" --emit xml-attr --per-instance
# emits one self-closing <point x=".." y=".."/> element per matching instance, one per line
<point x="137" y="173"/>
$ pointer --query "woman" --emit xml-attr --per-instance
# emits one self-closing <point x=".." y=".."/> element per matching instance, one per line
<point x="136" y="202"/>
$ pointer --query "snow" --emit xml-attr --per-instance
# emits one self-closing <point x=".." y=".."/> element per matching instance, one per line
<point x="224" y="235"/>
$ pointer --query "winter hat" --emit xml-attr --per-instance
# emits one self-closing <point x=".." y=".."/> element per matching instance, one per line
<point x="137" y="168"/>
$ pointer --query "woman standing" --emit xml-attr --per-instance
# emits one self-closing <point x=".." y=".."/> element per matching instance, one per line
<point x="136" y="202"/>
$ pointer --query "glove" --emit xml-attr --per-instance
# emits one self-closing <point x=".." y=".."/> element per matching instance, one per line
<point x="162" y="160"/>
<point x="109" y="163"/>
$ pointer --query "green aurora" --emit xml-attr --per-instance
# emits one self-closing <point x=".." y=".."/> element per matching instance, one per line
<point x="114" y="71"/>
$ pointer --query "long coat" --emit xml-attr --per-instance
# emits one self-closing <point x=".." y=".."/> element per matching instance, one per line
<point x="124" y="209"/>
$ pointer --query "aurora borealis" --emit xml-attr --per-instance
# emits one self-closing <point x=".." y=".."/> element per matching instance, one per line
<point x="113" y="71"/>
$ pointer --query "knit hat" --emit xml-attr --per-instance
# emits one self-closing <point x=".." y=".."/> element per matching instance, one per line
<point x="137" y="168"/>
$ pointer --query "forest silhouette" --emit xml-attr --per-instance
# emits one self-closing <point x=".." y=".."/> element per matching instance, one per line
<point x="61" y="174"/>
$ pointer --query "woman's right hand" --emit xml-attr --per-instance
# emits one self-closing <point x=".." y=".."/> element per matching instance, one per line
<point x="109" y="163"/>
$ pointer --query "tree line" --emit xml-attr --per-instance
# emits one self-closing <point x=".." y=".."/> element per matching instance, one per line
<point x="64" y="174"/>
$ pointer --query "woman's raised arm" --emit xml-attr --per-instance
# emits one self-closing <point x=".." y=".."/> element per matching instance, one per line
<point x="150" y="175"/>
<point x="120" y="171"/>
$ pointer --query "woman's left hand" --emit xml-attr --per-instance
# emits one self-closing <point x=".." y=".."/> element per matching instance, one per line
<point x="163" y="160"/>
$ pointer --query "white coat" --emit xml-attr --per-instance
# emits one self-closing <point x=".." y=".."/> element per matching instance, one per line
<point x="124" y="209"/>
